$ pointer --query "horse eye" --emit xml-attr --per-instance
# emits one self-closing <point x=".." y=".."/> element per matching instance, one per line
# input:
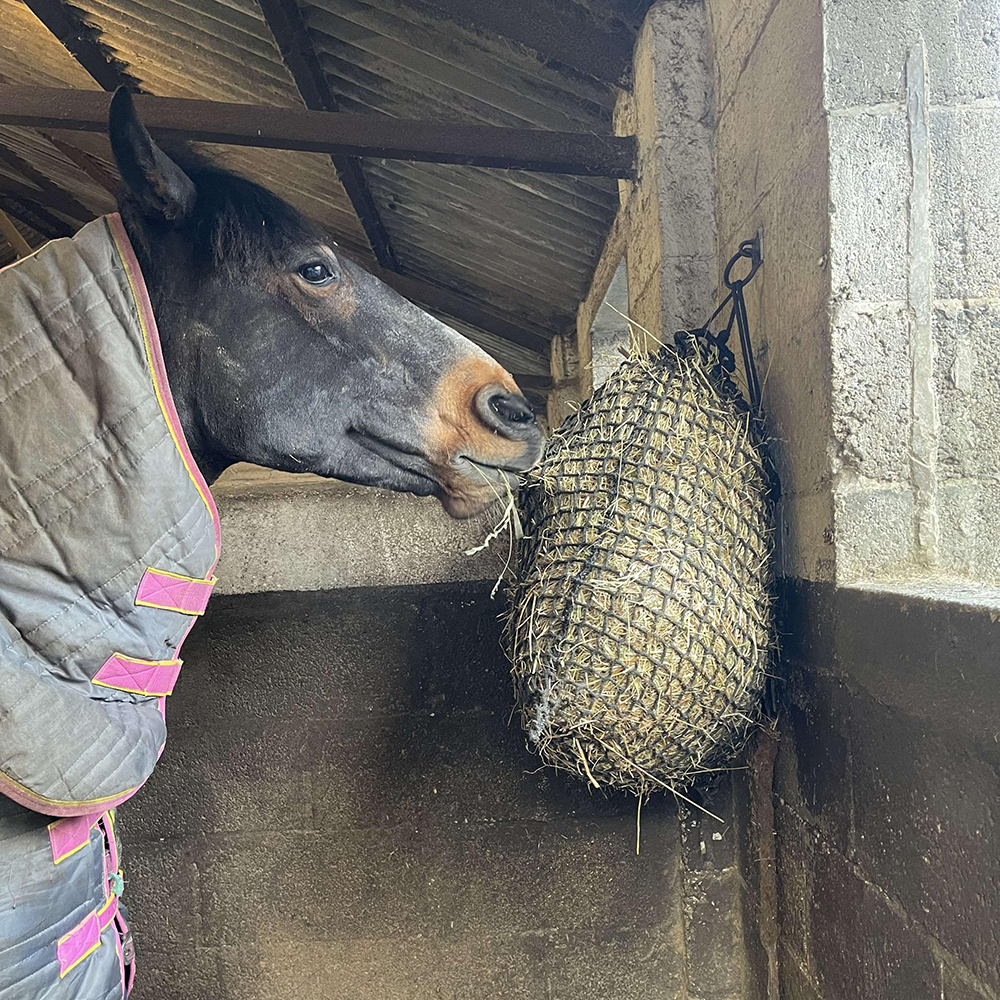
<point x="317" y="273"/>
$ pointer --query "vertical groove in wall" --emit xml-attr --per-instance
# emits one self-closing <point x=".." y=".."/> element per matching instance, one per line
<point x="924" y="434"/>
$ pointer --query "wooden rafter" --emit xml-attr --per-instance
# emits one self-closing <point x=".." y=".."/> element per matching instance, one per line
<point x="284" y="20"/>
<point x="24" y="206"/>
<point x="13" y="236"/>
<point x="88" y="163"/>
<point x="82" y="44"/>
<point x="576" y="153"/>
<point x="52" y="194"/>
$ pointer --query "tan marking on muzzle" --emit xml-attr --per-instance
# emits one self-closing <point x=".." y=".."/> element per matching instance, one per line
<point x="456" y="430"/>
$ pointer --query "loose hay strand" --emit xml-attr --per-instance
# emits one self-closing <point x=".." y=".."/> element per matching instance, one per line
<point x="640" y="624"/>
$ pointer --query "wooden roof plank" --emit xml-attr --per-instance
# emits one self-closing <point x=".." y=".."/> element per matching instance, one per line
<point x="81" y="43"/>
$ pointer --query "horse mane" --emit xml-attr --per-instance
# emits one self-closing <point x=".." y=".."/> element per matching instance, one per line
<point x="238" y="224"/>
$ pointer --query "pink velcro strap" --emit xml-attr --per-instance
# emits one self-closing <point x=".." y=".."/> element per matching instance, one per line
<point x="81" y="941"/>
<point x="67" y="836"/>
<point x="173" y="592"/>
<point x="155" y="678"/>
<point x="85" y="938"/>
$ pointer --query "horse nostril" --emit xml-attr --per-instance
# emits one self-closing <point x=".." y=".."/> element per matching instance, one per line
<point x="512" y="409"/>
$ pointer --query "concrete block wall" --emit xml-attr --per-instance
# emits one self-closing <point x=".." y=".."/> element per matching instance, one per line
<point x="911" y="91"/>
<point x="887" y="779"/>
<point x="344" y="811"/>
<point x="772" y="178"/>
<point x="860" y="138"/>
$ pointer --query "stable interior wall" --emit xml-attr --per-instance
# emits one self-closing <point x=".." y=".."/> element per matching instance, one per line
<point x="861" y="139"/>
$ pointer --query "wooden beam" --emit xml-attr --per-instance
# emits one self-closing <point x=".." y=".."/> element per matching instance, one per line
<point x="323" y="132"/>
<point x="284" y="19"/>
<point x="13" y="236"/>
<point x="82" y="44"/>
<point x="31" y="213"/>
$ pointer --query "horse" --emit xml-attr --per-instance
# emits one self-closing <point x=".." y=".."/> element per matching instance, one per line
<point x="206" y="323"/>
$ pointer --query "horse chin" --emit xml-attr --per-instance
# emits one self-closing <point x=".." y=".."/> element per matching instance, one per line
<point x="469" y="487"/>
<point x="465" y="487"/>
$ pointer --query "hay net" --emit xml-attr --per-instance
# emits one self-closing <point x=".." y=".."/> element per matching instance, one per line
<point x="641" y="612"/>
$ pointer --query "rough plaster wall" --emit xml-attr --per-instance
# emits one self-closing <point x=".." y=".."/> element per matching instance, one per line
<point x="671" y="254"/>
<point x="911" y="91"/>
<point x="609" y="335"/>
<point x="345" y="811"/>
<point x="771" y="163"/>
<point x="283" y="532"/>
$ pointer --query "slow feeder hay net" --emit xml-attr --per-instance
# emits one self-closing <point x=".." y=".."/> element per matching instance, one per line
<point x="641" y="621"/>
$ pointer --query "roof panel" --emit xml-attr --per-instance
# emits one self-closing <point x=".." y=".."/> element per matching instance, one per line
<point x="525" y="244"/>
<point x="222" y="50"/>
<point x="506" y="237"/>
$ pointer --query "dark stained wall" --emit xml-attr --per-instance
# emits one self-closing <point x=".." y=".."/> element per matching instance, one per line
<point x="888" y="798"/>
<point x="343" y="812"/>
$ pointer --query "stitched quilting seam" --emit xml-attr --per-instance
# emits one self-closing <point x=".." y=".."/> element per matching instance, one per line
<point x="109" y="428"/>
<point x="142" y="560"/>
<point x="64" y="303"/>
<point x="76" y="503"/>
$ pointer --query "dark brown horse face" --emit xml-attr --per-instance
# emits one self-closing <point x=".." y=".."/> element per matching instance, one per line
<point x="283" y="352"/>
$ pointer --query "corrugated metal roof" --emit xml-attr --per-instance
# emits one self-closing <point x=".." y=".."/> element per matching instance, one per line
<point x="525" y="244"/>
<point x="34" y="240"/>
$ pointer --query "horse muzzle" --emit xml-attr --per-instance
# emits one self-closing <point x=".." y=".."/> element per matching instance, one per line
<point x="482" y="432"/>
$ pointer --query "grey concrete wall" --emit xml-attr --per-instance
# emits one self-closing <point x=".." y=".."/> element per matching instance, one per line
<point x="284" y="532"/>
<point x="887" y="778"/>
<point x="671" y="250"/>
<point x="344" y="812"/>
<point x="771" y="153"/>
<point x="861" y="139"/>
<point x="911" y="90"/>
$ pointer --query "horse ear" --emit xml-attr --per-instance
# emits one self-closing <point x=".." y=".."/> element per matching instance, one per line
<point x="160" y="187"/>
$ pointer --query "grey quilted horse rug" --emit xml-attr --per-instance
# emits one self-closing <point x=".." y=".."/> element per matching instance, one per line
<point x="108" y="541"/>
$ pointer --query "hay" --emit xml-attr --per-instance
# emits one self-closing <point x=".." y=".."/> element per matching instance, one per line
<point x="641" y="619"/>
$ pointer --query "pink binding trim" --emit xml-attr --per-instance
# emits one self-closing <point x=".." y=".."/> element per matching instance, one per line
<point x="154" y="678"/>
<point x="173" y="592"/>
<point x="67" y="836"/>
<point x="58" y="807"/>
<point x="159" y="372"/>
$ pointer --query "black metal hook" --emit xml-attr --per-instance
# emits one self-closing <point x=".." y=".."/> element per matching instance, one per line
<point x="748" y="250"/>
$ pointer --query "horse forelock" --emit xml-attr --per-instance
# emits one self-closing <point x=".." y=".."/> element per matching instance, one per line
<point x="238" y="226"/>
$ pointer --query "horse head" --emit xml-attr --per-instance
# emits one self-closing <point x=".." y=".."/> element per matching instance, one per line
<point x="283" y="352"/>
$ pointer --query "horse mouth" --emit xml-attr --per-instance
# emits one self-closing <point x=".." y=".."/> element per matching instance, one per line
<point x="465" y="487"/>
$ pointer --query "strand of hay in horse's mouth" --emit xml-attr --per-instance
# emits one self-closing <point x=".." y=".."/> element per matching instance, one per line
<point x="641" y="621"/>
